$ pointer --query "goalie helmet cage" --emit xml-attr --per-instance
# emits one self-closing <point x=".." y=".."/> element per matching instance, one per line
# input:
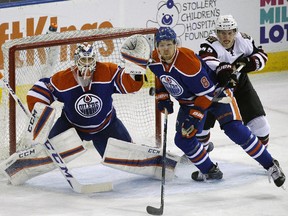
<point x="26" y="60"/>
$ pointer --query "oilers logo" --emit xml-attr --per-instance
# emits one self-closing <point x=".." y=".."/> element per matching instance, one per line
<point x="88" y="105"/>
<point x="171" y="85"/>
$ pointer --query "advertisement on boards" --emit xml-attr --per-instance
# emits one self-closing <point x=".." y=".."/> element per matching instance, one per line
<point x="266" y="21"/>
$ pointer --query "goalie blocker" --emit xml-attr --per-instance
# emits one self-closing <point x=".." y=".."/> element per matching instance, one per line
<point x="138" y="159"/>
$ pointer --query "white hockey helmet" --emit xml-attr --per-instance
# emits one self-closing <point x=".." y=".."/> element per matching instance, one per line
<point x="226" y="22"/>
<point x="85" y="60"/>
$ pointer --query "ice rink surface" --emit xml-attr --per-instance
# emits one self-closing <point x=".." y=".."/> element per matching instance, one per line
<point x="244" y="190"/>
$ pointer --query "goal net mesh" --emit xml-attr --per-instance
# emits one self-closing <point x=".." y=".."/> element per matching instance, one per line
<point x="26" y="60"/>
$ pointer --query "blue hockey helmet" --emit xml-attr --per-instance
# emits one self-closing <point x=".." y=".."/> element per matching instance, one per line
<point x="165" y="33"/>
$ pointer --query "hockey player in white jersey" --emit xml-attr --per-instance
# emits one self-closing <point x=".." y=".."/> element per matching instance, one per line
<point x="228" y="48"/>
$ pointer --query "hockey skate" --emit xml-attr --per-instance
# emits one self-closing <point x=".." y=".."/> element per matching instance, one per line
<point x="214" y="173"/>
<point x="276" y="173"/>
<point x="209" y="146"/>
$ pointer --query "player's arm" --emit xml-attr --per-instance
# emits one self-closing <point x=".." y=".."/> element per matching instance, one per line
<point x="40" y="93"/>
<point x="136" y="53"/>
<point x="163" y="98"/>
<point x="254" y="62"/>
<point x="209" y="55"/>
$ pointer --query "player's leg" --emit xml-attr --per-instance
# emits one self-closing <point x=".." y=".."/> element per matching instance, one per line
<point x="34" y="161"/>
<point x="115" y="146"/>
<point x="138" y="159"/>
<point x="252" y="111"/>
<point x="204" y="136"/>
<point x="241" y="135"/>
<point x="116" y="130"/>
<point x="196" y="153"/>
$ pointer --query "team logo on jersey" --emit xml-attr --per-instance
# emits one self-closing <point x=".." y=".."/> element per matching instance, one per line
<point x="172" y="86"/>
<point x="88" y="105"/>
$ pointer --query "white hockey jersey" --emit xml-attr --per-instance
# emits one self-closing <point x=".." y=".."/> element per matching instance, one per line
<point x="212" y="52"/>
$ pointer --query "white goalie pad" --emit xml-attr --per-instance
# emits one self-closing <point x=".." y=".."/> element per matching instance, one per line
<point x="136" y="51"/>
<point x="26" y="164"/>
<point x="138" y="159"/>
<point x="40" y="123"/>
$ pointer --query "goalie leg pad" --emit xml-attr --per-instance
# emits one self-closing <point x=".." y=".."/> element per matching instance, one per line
<point x="40" y="123"/>
<point x="26" y="164"/>
<point x="138" y="159"/>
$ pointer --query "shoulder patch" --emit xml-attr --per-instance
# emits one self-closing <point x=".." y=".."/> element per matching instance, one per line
<point x="245" y="36"/>
<point x="211" y="39"/>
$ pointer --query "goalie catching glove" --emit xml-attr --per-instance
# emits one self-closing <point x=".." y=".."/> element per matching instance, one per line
<point x="136" y="52"/>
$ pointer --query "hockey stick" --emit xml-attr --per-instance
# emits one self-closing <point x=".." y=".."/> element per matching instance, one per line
<point x="226" y="99"/>
<point x="150" y="209"/>
<point x="57" y="159"/>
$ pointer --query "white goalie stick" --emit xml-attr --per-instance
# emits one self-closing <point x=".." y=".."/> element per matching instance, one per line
<point x="150" y="209"/>
<point x="57" y="159"/>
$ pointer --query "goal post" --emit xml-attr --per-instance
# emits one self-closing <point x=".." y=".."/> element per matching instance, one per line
<point x="25" y="62"/>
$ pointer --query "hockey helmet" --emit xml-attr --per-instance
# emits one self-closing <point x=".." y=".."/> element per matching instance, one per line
<point x="85" y="60"/>
<point x="165" y="33"/>
<point x="226" y="22"/>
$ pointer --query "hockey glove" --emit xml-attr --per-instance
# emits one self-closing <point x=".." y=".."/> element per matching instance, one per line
<point x="136" y="52"/>
<point x="249" y="62"/>
<point x="191" y="123"/>
<point x="164" y="102"/>
<point x="224" y="75"/>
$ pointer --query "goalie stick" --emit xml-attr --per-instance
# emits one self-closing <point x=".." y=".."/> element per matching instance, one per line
<point x="57" y="159"/>
<point x="150" y="209"/>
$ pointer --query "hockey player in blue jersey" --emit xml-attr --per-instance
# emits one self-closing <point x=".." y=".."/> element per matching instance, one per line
<point x="86" y="91"/>
<point x="183" y="75"/>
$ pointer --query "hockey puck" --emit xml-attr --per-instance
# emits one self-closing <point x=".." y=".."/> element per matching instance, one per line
<point x="152" y="91"/>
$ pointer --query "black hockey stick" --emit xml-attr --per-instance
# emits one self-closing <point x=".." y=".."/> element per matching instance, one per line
<point x="150" y="209"/>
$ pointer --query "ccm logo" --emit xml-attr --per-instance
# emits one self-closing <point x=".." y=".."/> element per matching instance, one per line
<point x="32" y="121"/>
<point x="26" y="153"/>
<point x="153" y="151"/>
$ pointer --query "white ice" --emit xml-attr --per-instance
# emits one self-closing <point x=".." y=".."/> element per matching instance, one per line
<point x="245" y="189"/>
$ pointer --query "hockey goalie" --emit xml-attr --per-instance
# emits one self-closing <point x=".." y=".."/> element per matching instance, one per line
<point x="86" y="90"/>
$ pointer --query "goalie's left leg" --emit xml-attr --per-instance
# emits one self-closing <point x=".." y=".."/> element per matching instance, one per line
<point x="26" y="164"/>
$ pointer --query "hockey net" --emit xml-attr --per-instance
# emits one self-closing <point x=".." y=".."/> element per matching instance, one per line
<point x="26" y="60"/>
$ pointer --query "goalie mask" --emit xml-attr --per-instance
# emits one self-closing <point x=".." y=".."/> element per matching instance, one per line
<point x="85" y="61"/>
